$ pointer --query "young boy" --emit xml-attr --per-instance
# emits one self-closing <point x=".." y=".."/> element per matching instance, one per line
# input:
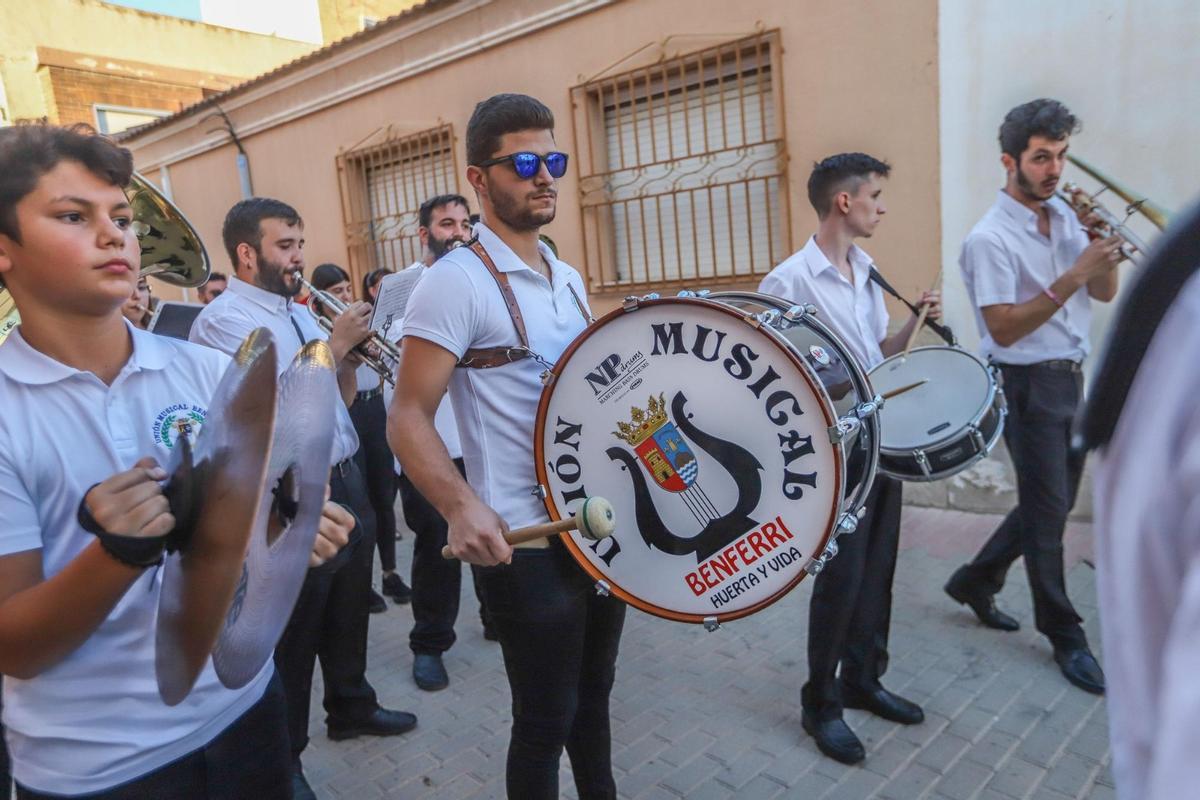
<point x="80" y="392"/>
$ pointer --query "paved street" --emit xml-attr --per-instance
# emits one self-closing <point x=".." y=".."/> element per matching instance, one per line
<point x="710" y="716"/>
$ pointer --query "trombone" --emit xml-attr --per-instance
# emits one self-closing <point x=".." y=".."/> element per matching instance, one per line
<point x="388" y="354"/>
<point x="1132" y="246"/>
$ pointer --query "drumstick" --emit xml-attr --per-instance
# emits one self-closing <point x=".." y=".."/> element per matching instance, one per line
<point x="903" y="389"/>
<point x="912" y="337"/>
<point x="595" y="519"/>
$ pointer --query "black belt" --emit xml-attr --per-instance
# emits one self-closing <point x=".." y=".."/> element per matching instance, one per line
<point x="369" y="394"/>
<point x="1058" y="364"/>
<point x="343" y="466"/>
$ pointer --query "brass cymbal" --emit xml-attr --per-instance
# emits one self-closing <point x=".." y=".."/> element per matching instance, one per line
<point x="215" y="506"/>
<point x="286" y="525"/>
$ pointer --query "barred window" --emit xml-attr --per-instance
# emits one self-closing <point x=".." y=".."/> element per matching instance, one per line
<point x="383" y="183"/>
<point x="683" y="169"/>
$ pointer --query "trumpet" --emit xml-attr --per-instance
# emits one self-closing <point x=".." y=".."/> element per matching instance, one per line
<point x="385" y="355"/>
<point x="1132" y="246"/>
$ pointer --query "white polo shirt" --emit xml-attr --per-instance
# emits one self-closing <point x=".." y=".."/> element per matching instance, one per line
<point x="1147" y="513"/>
<point x="243" y="307"/>
<point x="95" y="719"/>
<point x="443" y="421"/>
<point x="458" y="306"/>
<point x="366" y="379"/>
<point x="1005" y="260"/>
<point x="856" y="312"/>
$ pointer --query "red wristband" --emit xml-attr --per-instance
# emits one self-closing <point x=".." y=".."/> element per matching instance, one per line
<point x="1053" y="297"/>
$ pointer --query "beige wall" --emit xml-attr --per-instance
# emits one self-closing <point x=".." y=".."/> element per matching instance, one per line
<point x="1129" y="70"/>
<point x="847" y="85"/>
<point x="341" y="18"/>
<point x="102" y="30"/>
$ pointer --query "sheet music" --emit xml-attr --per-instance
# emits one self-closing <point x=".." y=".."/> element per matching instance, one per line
<point x="394" y="291"/>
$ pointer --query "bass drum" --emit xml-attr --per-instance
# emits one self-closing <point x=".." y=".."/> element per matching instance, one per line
<point x="847" y="385"/>
<point x="719" y="447"/>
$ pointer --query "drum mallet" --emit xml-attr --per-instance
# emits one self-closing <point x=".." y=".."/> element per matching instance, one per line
<point x="595" y="519"/>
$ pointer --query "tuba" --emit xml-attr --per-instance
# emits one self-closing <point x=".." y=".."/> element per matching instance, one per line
<point x="1110" y="224"/>
<point x="171" y="248"/>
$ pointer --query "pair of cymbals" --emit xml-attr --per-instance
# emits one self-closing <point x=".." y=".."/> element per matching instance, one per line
<point x="247" y="501"/>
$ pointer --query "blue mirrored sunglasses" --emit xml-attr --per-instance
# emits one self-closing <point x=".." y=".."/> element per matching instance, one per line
<point x="526" y="165"/>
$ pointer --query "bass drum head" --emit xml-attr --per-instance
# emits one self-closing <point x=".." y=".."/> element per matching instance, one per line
<point x="958" y="392"/>
<point x="710" y="440"/>
<point x="844" y="381"/>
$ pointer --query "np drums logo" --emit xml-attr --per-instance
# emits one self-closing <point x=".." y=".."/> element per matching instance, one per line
<point x="717" y="461"/>
<point x="615" y="376"/>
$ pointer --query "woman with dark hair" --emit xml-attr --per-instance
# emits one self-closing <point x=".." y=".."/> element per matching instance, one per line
<point x="371" y="283"/>
<point x="374" y="456"/>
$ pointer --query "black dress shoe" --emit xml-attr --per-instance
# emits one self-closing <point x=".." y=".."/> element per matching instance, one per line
<point x="429" y="672"/>
<point x="376" y="604"/>
<point x="381" y="722"/>
<point x="395" y="588"/>
<point x="1079" y="666"/>
<point x="300" y="788"/>
<point x="490" y="634"/>
<point x="882" y="703"/>
<point x="983" y="604"/>
<point x="834" y="738"/>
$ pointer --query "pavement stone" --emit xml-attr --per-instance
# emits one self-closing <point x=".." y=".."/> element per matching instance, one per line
<point x="717" y="716"/>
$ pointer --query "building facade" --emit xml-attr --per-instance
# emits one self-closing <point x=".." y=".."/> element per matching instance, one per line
<point x="692" y="126"/>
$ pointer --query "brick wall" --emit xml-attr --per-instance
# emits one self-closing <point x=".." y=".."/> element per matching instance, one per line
<point x="74" y="93"/>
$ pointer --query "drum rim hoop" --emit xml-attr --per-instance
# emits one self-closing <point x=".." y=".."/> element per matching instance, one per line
<point x="864" y="386"/>
<point x="573" y="548"/>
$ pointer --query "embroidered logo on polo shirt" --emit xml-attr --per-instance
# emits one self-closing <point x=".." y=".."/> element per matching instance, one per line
<point x="180" y="419"/>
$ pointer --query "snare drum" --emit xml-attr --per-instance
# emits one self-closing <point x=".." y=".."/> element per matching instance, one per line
<point x="944" y="425"/>
<point x="720" y="447"/>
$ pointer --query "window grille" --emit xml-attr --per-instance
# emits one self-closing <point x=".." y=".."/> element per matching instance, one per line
<point x="383" y="184"/>
<point x="683" y="170"/>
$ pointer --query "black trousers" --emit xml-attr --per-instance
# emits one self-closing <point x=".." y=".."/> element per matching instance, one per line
<point x="436" y="581"/>
<point x="1041" y="409"/>
<point x="248" y="759"/>
<point x="375" y="461"/>
<point x="851" y="607"/>
<point x="329" y="622"/>
<point x="560" y="642"/>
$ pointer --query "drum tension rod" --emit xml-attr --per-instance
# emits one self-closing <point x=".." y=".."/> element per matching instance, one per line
<point x="844" y="427"/>
<point x="603" y="589"/>
<point x="711" y="624"/>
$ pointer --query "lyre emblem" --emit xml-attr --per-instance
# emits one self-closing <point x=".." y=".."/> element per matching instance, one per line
<point x="666" y="455"/>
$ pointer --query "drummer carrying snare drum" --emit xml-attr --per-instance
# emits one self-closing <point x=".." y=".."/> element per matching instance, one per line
<point x="852" y="597"/>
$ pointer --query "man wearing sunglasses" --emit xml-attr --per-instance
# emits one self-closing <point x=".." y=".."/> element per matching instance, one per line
<point x="484" y="320"/>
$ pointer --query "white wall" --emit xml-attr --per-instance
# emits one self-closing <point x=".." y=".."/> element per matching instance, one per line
<point x="1129" y="69"/>
<point x="291" y="19"/>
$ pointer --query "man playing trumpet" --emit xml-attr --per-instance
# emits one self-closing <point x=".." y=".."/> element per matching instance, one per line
<point x="1032" y="277"/>
<point x="265" y="242"/>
